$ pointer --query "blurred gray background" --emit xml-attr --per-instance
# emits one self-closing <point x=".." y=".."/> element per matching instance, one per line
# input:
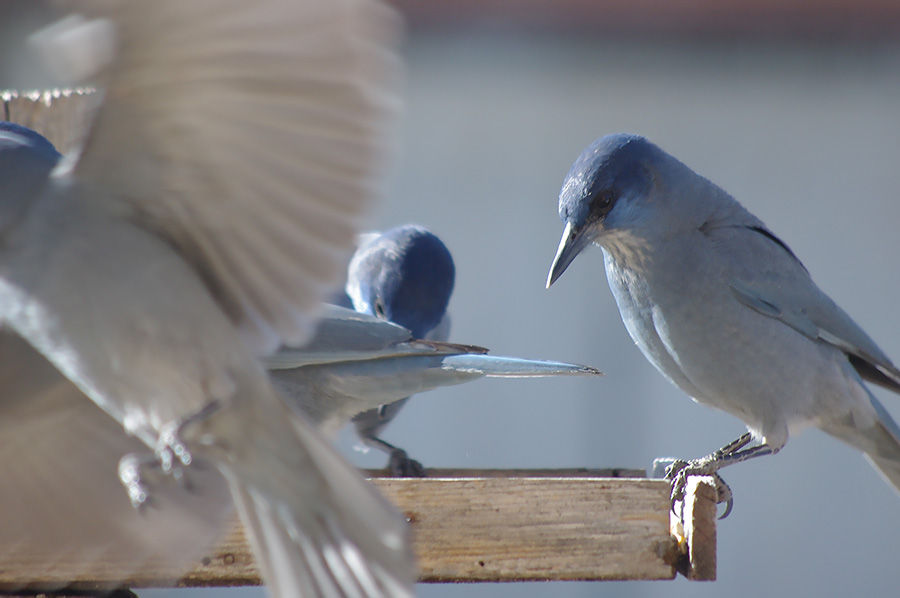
<point x="799" y="122"/>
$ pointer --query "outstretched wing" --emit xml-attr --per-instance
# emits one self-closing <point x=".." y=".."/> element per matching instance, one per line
<point x="249" y="136"/>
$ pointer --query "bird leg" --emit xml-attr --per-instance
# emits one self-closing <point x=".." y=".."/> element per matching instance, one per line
<point x="399" y="462"/>
<point x="168" y="460"/>
<point x="734" y="452"/>
<point x="369" y="425"/>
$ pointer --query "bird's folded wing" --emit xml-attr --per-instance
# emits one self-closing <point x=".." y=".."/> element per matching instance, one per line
<point x="286" y="359"/>
<point x="62" y="503"/>
<point x="766" y="277"/>
<point x="345" y="336"/>
<point x="342" y="329"/>
<point x="249" y="134"/>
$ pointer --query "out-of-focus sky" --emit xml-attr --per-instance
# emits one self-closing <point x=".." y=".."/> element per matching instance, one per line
<point x="804" y="129"/>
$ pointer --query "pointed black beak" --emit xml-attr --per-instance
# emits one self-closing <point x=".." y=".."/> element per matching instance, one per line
<point x="572" y="242"/>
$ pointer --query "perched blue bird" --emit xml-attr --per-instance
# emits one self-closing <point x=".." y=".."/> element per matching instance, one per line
<point x="365" y="365"/>
<point x="723" y="308"/>
<point x="404" y="275"/>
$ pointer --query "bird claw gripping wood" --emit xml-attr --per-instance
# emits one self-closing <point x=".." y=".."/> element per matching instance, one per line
<point x="138" y="472"/>
<point x="169" y="460"/>
<point x="679" y="471"/>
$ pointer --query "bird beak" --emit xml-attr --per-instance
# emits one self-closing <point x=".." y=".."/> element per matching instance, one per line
<point x="572" y="242"/>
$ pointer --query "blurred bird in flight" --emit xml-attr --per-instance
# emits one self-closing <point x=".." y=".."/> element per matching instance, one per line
<point x="233" y="151"/>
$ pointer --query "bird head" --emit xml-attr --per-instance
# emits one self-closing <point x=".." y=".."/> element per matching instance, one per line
<point x="405" y="276"/>
<point x="608" y="197"/>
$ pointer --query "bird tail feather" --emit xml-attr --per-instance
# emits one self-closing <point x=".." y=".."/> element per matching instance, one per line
<point x="886" y="456"/>
<point x="880" y="442"/>
<point x="512" y="367"/>
<point x="323" y="532"/>
<point x="413" y="374"/>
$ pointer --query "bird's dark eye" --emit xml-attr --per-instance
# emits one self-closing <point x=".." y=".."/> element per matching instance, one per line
<point x="601" y="202"/>
<point x="379" y="308"/>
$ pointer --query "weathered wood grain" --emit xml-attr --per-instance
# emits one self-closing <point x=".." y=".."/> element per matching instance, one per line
<point x="700" y="512"/>
<point x="473" y="529"/>
<point x="513" y="529"/>
<point x="510" y="529"/>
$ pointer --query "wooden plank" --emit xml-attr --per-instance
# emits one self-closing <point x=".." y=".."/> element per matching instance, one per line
<point x="570" y="472"/>
<point x="61" y="116"/>
<point x="512" y="529"/>
<point x="472" y="529"/>
<point x="700" y="513"/>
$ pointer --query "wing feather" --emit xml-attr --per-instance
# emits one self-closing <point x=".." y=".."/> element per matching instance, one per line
<point x="250" y="137"/>
<point x="775" y="284"/>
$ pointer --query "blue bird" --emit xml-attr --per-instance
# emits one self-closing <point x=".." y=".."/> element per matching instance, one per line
<point x="723" y="308"/>
<point x="405" y="276"/>
<point x="365" y="364"/>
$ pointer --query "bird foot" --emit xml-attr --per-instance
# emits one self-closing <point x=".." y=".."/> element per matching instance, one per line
<point x="134" y="470"/>
<point x="138" y="472"/>
<point x="679" y="471"/>
<point x="402" y="466"/>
